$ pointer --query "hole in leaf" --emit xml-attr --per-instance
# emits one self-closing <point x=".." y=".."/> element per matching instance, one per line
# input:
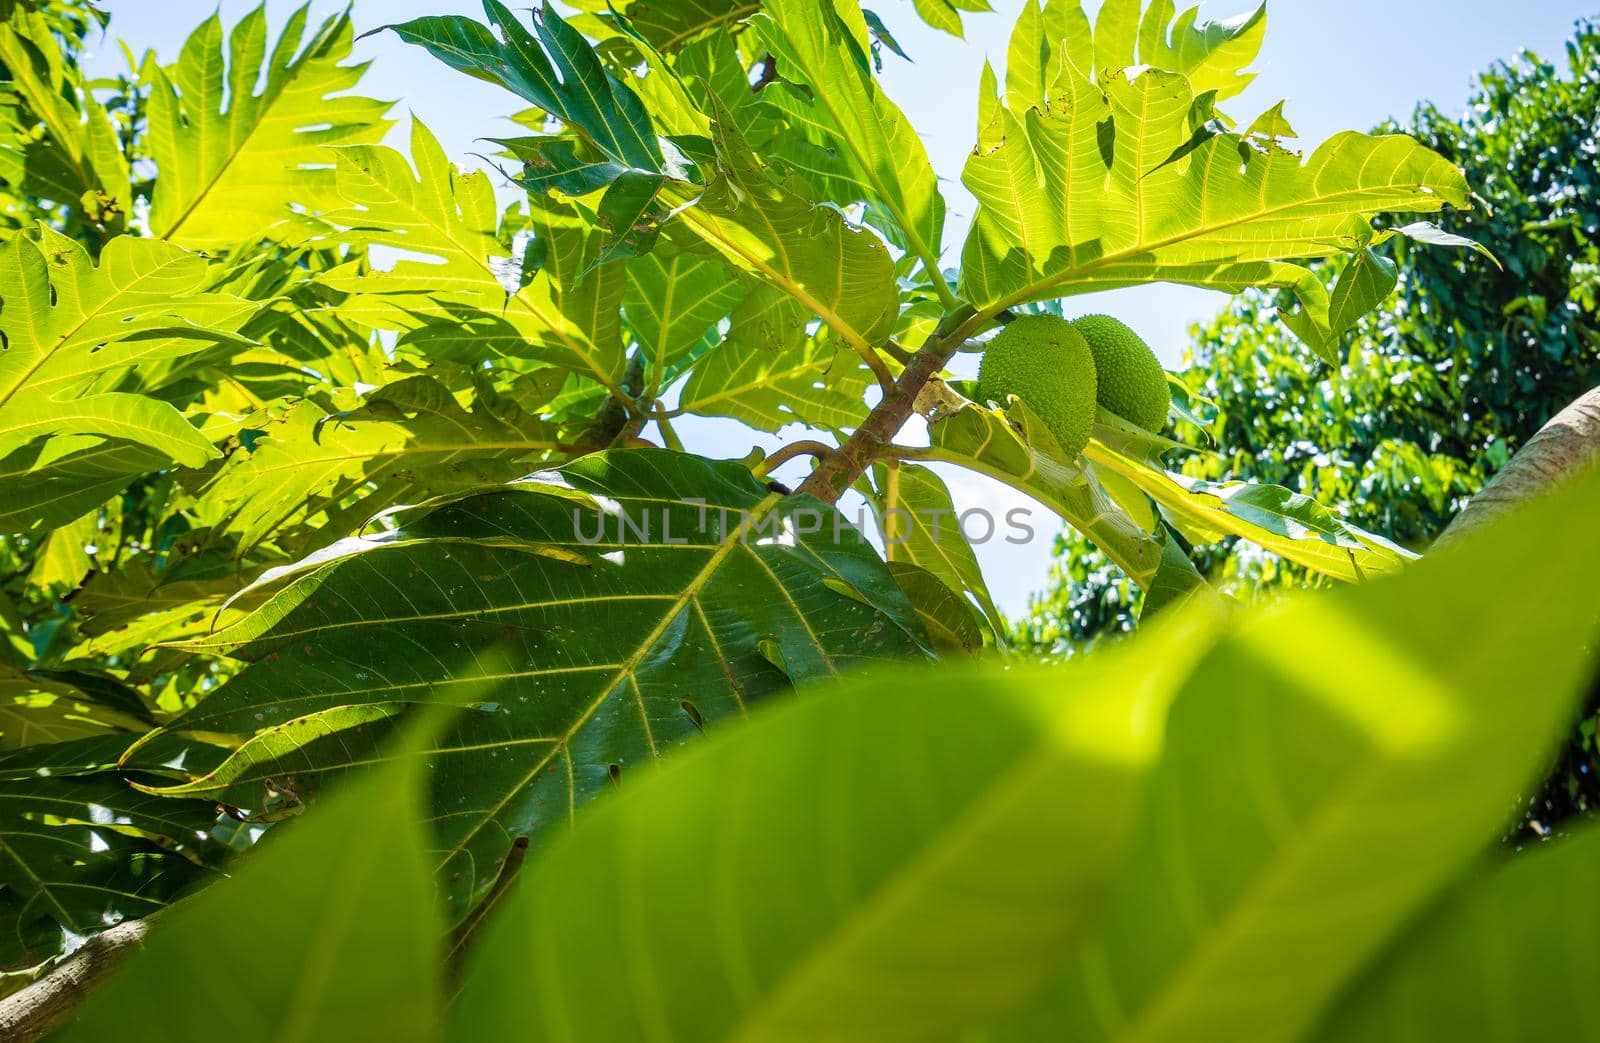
<point x="694" y="714"/>
<point x="615" y="771"/>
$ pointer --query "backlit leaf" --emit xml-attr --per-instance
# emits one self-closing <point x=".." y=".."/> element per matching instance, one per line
<point x="453" y="304"/>
<point x="841" y="107"/>
<point x="1077" y="192"/>
<point x="408" y="441"/>
<point x="1317" y="791"/>
<point x="233" y="155"/>
<point x="73" y="330"/>
<point x="768" y="372"/>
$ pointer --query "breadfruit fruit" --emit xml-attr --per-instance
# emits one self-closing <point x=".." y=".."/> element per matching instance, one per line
<point x="1047" y="364"/>
<point x="1131" y="382"/>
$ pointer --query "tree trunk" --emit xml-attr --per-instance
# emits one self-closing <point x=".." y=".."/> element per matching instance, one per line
<point x="41" y="1008"/>
<point x="1564" y="448"/>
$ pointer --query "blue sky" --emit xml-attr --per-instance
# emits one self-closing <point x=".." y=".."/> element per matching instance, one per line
<point x="1343" y="64"/>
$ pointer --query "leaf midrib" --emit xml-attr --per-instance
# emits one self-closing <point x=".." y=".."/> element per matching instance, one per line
<point x="737" y="14"/>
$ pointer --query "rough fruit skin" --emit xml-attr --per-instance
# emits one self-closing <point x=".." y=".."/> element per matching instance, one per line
<point x="1046" y="363"/>
<point x="1131" y="381"/>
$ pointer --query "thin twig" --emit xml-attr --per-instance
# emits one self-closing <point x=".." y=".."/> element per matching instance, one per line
<point x="805" y="447"/>
<point x="664" y="425"/>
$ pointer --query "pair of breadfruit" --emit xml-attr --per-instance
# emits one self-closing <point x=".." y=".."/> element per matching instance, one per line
<point x="1062" y="369"/>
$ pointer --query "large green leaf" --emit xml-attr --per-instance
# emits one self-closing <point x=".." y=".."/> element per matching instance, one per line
<point x="70" y="758"/>
<point x="951" y="622"/>
<point x="588" y="652"/>
<point x="672" y="304"/>
<point x="1210" y="54"/>
<point x="40" y="706"/>
<point x="233" y="153"/>
<point x="1091" y="186"/>
<point x="670" y="24"/>
<point x="901" y="860"/>
<point x="841" y="273"/>
<point x="768" y="372"/>
<point x="609" y="141"/>
<point x="407" y="441"/>
<point x="73" y="331"/>
<point x="138" y="603"/>
<point x="445" y="292"/>
<point x="1509" y="955"/>
<point x="1055" y="36"/>
<point x="1331" y="766"/>
<point x="891" y="860"/>
<point x="828" y="95"/>
<point x="49" y="483"/>
<point x="332" y="932"/>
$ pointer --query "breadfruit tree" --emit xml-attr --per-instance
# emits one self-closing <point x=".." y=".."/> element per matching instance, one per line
<point x="302" y="433"/>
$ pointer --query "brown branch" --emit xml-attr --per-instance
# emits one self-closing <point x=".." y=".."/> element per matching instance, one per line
<point x="845" y="464"/>
<point x="1564" y="448"/>
<point x="47" y="1004"/>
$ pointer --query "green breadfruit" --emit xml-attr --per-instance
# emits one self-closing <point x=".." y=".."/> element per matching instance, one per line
<point x="1047" y="364"/>
<point x="1132" y="383"/>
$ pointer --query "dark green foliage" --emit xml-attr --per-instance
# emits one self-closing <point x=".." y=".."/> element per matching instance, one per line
<point x="1042" y="360"/>
<point x="1443" y="383"/>
<point x="1132" y="383"/>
